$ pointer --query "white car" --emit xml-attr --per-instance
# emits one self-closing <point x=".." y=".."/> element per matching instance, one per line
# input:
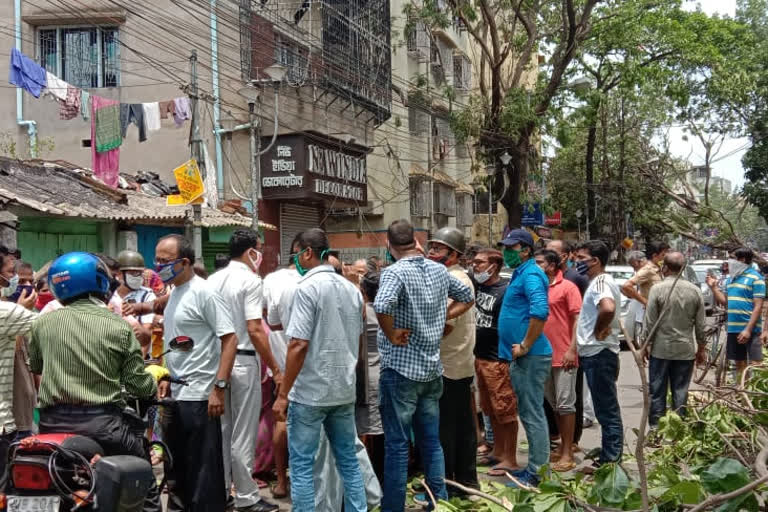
<point x="621" y="274"/>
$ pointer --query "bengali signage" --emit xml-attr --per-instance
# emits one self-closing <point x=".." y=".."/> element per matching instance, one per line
<point x="317" y="168"/>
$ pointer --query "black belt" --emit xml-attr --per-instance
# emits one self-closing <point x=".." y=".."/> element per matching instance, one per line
<point x="243" y="352"/>
<point x="82" y="409"/>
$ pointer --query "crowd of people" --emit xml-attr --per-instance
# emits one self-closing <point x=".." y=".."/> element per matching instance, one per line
<point x="353" y="375"/>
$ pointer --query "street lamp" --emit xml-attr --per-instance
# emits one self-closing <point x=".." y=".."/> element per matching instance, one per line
<point x="252" y="94"/>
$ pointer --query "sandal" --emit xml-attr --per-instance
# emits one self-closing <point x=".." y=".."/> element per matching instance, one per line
<point x="488" y="460"/>
<point x="501" y="471"/>
<point x="277" y="495"/>
<point x="563" y="467"/>
<point x="483" y="449"/>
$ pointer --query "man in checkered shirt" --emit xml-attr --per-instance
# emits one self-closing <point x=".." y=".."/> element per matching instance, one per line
<point x="412" y="310"/>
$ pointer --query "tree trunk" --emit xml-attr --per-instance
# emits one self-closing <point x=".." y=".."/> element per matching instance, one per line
<point x="589" y="173"/>
<point x="517" y="173"/>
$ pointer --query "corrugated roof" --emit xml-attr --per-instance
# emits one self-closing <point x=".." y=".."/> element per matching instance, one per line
<point x="58" y="191"/>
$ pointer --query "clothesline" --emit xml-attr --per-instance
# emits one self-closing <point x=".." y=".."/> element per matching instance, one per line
<point x="109" y="118"/>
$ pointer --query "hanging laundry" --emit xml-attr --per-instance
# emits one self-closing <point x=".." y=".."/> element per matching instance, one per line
<point x="152" y="116"/>
<point x="70" y="108"/>
<point x="183" y="110"/>
<point x="85" y="108"/>
<point x="105" y="116"/>
<point x="133" y="113"/>
<point x="56" y="87"/>
<point x="167" y="107"/>
<point x="106" y="164"/>
<point x="26" y="73"/>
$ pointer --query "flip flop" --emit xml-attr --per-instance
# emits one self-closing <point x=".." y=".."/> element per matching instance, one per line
<point x="277" y="495"/>
<point x="501" y="471"/>
<point x="487" y="460"/>
<point x="563" y="467"/>
<point x="483" y="449"/>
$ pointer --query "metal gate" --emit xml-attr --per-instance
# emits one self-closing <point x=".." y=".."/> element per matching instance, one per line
<point x="293" y="220"/>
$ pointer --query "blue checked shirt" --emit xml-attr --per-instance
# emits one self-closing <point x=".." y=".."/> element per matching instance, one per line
<point x="415" y="291"/>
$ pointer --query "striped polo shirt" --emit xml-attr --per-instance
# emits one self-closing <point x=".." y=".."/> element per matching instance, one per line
<point x="14" y="321"/>
<point x="86" y="355"/>
<point x="742" y="292"/>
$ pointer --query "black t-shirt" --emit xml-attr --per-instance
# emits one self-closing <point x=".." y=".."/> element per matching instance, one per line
<point x="580" y="280"/>
<point x="488" y="301"/>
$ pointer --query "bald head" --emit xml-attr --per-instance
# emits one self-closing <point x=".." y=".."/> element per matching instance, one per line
<point x="674" y="261"/>
<point x="562" y="248"/>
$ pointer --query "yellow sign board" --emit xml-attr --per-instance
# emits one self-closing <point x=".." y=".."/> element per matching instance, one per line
<point x="190" y="182"/>
<point x="178" y="200"/>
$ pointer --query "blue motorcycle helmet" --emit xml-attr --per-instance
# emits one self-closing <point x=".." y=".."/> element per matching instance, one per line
<point x="78" y="274"/>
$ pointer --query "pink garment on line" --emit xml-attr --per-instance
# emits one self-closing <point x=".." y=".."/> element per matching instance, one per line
<point x="106" y="166"/>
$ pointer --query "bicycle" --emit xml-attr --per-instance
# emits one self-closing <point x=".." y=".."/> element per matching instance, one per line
<point x="715" y="351"/>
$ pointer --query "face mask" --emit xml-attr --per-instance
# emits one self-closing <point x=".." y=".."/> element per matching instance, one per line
<point x="736" y="267"/>
<point x="482" y="277"/>
<point x="19" y="290"/>
<point x="389" y="258"/>
<point x="133" y="282"/>
<point x="568" y="264"/>
<point x="301" y="270"/>
<point x="13" y="283"/>
<point x="512" y="258"/>
<point x="166" y="271"/>
<point x="256" y="262"/>
<point x="43" y="299"/>
<point x="582" y="267"/>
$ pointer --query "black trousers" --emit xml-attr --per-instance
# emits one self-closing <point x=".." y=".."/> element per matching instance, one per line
<point x="108" y="428"/>
<point x="196" y="482"/>
<point x="458" y="436"/>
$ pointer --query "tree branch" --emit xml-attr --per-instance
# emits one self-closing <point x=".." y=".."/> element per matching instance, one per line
<point x="717" y="499"/>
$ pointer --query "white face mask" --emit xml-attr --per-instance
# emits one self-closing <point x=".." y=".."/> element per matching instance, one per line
<point x="134" y="282"/>
<point x="736" y="267"/>
<point x="257" y="261"/>
<point x="482" y="277"/>
<point x="13" y="283"/>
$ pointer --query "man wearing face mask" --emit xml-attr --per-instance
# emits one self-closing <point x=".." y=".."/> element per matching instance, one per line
<point x="193" y="429"/>
<point x="458" y="433"/>
<point x="745" y="294"/>
<point x="240" y="286"/>
<point x="497" y="398"/>
<point x="639" y="286"/>
<point x="15" y="320"/>
<point x="522" y="342"/>
<point x="132" y="290"/>
<point x="412" y="308"/>
<point x="598" y="344"/>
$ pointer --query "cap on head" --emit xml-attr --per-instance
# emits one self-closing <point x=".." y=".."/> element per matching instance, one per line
<point x="450" y="237"/>
<point x="517" y="236"/>
<point x="130" y="260"/>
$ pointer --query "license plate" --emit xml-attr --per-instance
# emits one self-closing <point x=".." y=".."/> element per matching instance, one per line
<point x="33" y="503"/>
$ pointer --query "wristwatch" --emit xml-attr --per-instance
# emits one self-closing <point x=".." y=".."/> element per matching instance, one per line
<point x="222" y="384"/>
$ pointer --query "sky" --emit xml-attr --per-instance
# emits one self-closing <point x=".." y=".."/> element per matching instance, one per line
<point x="728" y="164"/>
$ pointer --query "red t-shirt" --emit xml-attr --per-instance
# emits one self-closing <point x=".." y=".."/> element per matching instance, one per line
<point x="564" y="304"/>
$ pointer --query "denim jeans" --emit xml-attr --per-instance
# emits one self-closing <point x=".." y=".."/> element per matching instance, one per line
<point x="529" y="374"/>
<point x="406" y="404"/>
<point x="303" y="440"/>
<point x="601" y="371"/>
<point x="666" y="374"/>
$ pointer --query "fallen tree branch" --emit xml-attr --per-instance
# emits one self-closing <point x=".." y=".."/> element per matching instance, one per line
<point x="429" y="492"/>
<point x="484" y="495"/>
<point x="717" y="499"/>
<point x="520" y="484"/>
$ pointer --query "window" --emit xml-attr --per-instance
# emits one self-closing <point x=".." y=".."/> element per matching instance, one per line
<point x="295" y="59"/>
<point x="464" y="215"/>
<point x="419" y="191"/>
<point x="417" y="40"/>
<point x="462" y="73"/>
<point x="445" y="199"/>
<point x="83" y="57"/>
<point x="480" y="203"/>
<point x="418" y="121"/>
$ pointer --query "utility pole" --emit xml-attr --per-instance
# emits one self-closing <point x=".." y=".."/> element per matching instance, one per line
<point x="196" y="152"/>
<point x="430" y="167"/>
<point x="255" y="164"/>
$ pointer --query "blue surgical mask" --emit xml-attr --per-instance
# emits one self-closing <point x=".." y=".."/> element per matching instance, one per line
<point x="19" y="289"/>
<point x="569" y="263"/>
<point x="167" y="271"/>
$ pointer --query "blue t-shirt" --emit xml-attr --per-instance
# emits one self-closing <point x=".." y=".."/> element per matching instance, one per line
<point x="742" y="292"/>
<point x="526" y="298"/>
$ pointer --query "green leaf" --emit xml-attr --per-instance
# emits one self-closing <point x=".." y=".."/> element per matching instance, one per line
<point x="687" y="492"/>
<point x="724" y="475"/>
<point x="611" y="485"/>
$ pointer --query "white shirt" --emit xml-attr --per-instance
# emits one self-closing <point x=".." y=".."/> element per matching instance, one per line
<point x="196" y="310"/>
<point x="601" y="287"/>
<point x="241" y="289"/>
<point x="141" y="295"/>
<point x="279" y="289"/>
<point x="15" y="321"/>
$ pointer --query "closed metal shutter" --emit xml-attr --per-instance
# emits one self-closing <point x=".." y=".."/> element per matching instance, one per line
<point x="293" y="220"/>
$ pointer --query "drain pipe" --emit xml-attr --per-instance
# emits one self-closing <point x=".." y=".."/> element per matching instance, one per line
<point x="217" y="101"/>
<point x="31" y="125"/>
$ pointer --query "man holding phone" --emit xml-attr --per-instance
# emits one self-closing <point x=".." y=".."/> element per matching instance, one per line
<point x="412" y="309"/>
